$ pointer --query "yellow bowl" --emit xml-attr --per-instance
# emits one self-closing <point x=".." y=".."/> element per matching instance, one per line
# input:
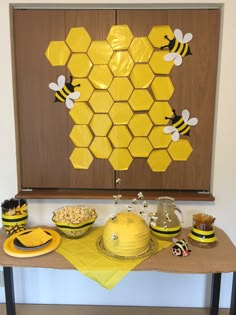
<point x="74" y="221"/>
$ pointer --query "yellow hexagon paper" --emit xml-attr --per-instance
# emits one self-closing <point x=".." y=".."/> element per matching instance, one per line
<point x="101" y="147"/>
<point x="141" y="76"/>
<point x="140" y="125"/>
<point x="81" y="136"/>
<point x="120" y="113"/>
<point x="120" y="136"/>
<point x="159" y="160"/>
<point x="158" y="64"/>
<point x="101" y="101"/>
<point x="159" y="111"/>
<point x="158" y="138"/>
<point x="180" y="150"/>
<point x="120" y="89"/>
<point x="120" y="159"/>
<point x="57" y="53"/>
<point x="141" y="49"/>
<point x="158" y="33"/>
<point x="121" y="63"/>
<point x="85" y="88"/>
<point x="100" y="52"/>
<point x="162" y="88"/>
<point x="119" y="37"/>
<point x="140" y="147"/>
<point x="81" y="113"/>
<point x="140" y="100"/>
<point x="78" y="39"/>
<point x="100" y="76"/>
<point x="79" y="65"/>
<point x="100" y="124"/>
<point x="81" y="158"/>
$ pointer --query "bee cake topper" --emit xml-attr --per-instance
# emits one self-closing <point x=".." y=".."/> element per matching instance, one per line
<point x="178" y="47"/>
<point x="65" y="91"/>
<point x="180" y="125"/>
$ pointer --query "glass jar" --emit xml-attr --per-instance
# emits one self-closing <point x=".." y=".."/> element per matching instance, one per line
<point x="202" y="233"/>
<point x="166" y="223"/>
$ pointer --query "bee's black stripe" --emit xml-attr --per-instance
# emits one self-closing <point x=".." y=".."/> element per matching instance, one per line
<point x="177" y="48"/>
<point x="179" y="124"/>
<point x="185" y="130"/>
<point x="182" y="127"/>
<point x="60" y="96"/>
<point x="66" y="90"/>
<point x="63" y="93"/>
<point x="182" y="51"/>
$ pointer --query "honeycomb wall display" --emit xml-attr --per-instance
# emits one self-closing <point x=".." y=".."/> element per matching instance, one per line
<point x="123" y="111"/>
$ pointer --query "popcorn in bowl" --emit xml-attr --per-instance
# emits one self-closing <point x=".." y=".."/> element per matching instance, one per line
<point x="74" y="221"/>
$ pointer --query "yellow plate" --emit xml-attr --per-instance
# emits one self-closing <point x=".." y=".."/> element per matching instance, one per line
<point x="11" y="250"/>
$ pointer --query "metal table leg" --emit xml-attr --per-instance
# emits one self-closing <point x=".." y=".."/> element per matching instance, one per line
<point x="215" y="293"/>
<point x="9" y="290"/>
<point x="233" y="296"/>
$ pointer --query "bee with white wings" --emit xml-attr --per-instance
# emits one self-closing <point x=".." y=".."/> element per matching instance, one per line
<point x="65" y="91"/>
<point x="180" y="125"/>
<point x="178" y="47"/>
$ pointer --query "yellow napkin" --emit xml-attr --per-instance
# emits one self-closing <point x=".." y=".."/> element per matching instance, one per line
<point x="85" y="257"/>
<point x="35" y="237"/>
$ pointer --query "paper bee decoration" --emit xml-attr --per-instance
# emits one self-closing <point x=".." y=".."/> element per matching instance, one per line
<point x="65" y="91"/>
<point x="178" y="47"/>
<point x="180" y="125"/>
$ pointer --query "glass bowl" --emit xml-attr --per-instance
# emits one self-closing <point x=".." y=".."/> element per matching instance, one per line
<point x="74" y="221"/>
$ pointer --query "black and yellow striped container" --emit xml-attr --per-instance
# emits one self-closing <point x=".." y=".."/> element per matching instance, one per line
<point x="202" y="238"/>
<point x="14" y="223"/>
<point x="14" y="216"/>
<point x="165" y="232"/>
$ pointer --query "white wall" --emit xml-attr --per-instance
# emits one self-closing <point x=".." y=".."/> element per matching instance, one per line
<point x="68" y="287"/>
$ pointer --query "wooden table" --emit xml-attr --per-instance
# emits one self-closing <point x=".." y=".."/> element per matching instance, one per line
<point x="215" y="261"/>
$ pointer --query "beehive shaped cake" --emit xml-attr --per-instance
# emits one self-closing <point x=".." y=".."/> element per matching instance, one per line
<point x="126" y="234"/>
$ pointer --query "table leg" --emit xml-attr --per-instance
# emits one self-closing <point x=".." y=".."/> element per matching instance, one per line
<point x="9" y="290"/>
<point x="215" y="293"/>
<point x="233" y="296"/>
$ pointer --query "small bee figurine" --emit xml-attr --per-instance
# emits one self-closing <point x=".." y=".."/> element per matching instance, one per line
<point x="114" y="237"/>
<point x="180" y="125"/>
<point x="113" y="217"/>
<point x="65" y="91"/>
<point x="178" y="47"/>
<point x="180" y="248"/>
